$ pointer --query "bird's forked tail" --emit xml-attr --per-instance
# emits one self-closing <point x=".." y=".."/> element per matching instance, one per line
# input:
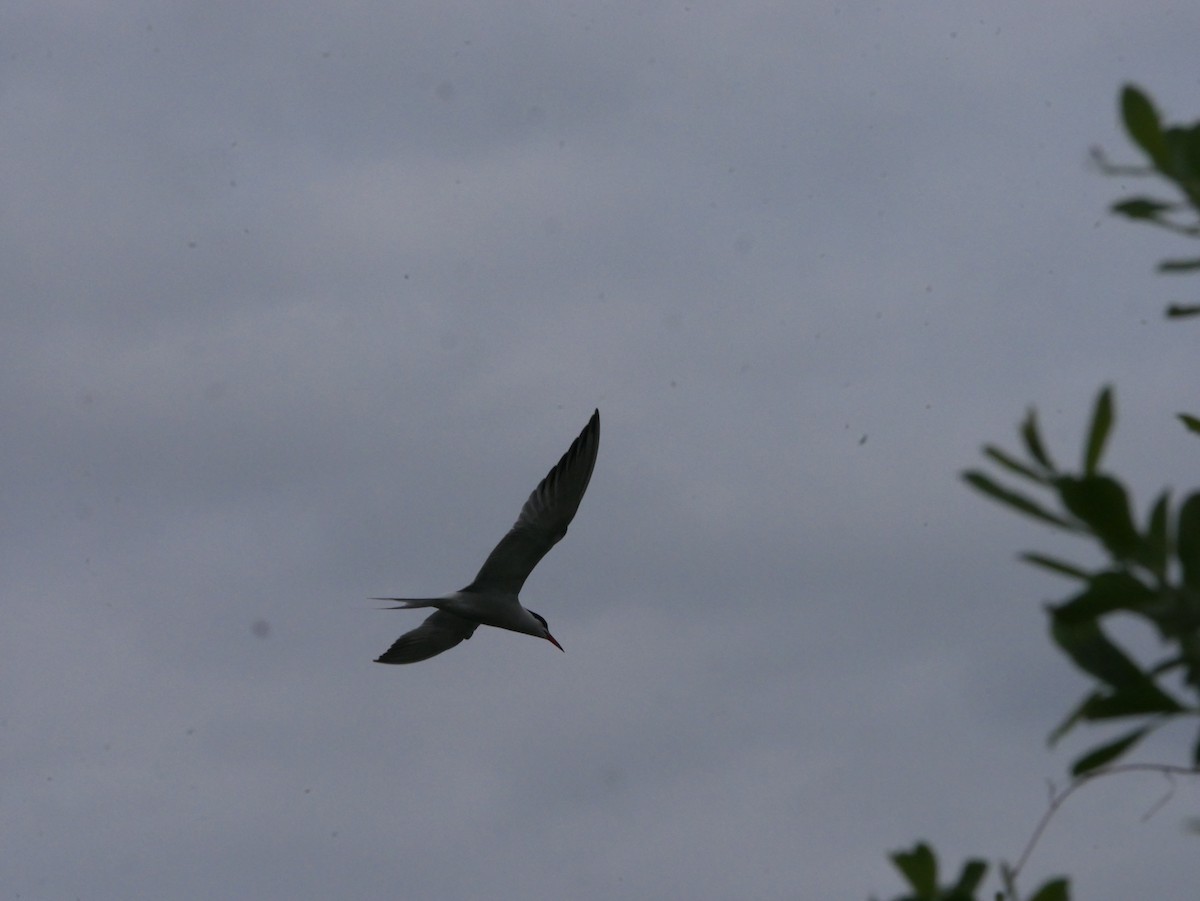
<point x="410" y="603"/>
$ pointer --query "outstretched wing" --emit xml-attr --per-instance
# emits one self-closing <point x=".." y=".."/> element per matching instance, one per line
<point x="544" y="518"/>
<point x="440" y="632"/>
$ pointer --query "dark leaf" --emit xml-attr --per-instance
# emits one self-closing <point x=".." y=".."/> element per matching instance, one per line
<point x="1189" y="642"/>
<point x="1142" y="208"/>
<point x="1141" y="699"/>
<point x="1187" y="541"/>
<point x="1183" y="154"/>
<point x="1013" y="465"/>
<point x="1142" y="123"/>
<point x="1102" y="423"/>
<point x="1157" y="544"/>
<point x="1091" y="650"/>
<point x="919" y="867"/>
<point x="1054" y="890"/>
<point x="1180" y="266"/>
<point x="1033" y="440"/>
<point x="1107" y="753"/>
<point x="1192" y="422"/>
<point x="1101" y="502"/>
<point x="972" y="874"/>
<point x="981" y="482"/>
<point x="1055" y="565"/>
<point x="1105" y="593"/>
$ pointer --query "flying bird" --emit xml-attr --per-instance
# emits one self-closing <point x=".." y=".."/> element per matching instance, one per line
<point x="491" y="600"/>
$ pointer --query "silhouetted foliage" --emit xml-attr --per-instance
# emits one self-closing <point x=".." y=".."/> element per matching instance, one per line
<point x="1152" y="574"/>
<point x="1173" y="154"/>
<point x="920" y="869"/>
<point x="1151" y="570"/>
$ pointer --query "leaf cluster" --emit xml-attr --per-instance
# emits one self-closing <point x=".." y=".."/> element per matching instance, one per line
<point x="919" y="867"/>
<point x="1152" y="568"/>
<point x="1173" y="154"/>
<point x="1152" y="574"/>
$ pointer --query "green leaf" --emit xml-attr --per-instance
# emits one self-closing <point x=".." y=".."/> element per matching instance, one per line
<point x="1181" y="311"/>
<point x="1142" y="207"/>
<point x="1143" y="124"/>
<point x="1033" y="440"/>
<point x="1157" y="545"/>
<point x="1105" y="593"/>
<point x="1187" y="541"/>
<point x="1055" y="565"/>
<point x="1191" y="422"/>
<point x="1183" y="155"/>
<point x="1091" y="650"/>
<point x="1102" y="423"/>
<point x="981" y="482"/>
<point x="1101" y="502"/>
<point x="969" y="879"/>
<point x="1142" y="698"/>
<point x="919" y="867"/>
<point x="1189" y="643"/>
<point x="1107" y="753"/>
<point x="1054" y="890"/>
<point x="1013" y="465"/>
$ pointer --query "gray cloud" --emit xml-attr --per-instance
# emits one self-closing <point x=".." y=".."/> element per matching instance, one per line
<point x="301" y="305"/>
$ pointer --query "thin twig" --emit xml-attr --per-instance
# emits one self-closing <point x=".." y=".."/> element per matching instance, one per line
<point x="1058" y="798"/>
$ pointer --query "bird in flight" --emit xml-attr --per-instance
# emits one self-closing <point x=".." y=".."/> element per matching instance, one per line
<point x="491" y="600"/>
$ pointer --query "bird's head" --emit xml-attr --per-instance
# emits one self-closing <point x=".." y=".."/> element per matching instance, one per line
<point x="545" y="631"/>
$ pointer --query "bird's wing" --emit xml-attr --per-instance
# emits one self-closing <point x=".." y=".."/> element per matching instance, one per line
<point x="545" y="516"/>
<point x="440" y="632"/>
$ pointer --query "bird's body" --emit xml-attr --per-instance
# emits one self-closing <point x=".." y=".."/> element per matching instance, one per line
<point x="492" y="599"/>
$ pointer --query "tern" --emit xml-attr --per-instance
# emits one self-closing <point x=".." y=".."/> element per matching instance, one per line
<point x="491" y="600"/>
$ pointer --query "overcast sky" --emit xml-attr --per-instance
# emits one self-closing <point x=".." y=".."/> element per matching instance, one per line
<point x="301" y="301"/>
